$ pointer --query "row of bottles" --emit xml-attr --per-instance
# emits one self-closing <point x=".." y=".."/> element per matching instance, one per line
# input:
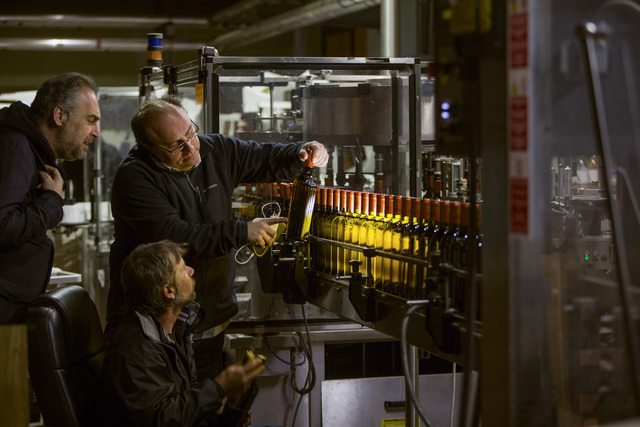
<point x="268" y="199"/>
<point x="449" y="177"/>
<point x="432" y="231"/>
<point x="436" y="232"/>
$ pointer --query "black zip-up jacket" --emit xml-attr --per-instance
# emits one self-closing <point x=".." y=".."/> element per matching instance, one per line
<point x="151" y="202"/>
<point x="26" y="210"/>
<point x="148" y="379"/>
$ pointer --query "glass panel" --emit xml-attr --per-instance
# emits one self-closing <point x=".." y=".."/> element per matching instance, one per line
<point x="591" y="306"/>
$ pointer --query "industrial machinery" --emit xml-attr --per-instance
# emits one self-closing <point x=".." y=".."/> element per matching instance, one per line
<point x="367" y="111"/>
<point x="527" y="125"/>
<point x="375" y="116"/>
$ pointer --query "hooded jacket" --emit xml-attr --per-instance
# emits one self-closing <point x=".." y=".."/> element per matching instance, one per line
<point x="26" y="210"/>
<point x="148" y="378"/>
<point x="151" y="202"/>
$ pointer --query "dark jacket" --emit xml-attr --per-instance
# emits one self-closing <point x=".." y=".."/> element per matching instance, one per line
<point x="26" y="211"/>
<point x="149" y="380"/>
<point x="151" y="203"/>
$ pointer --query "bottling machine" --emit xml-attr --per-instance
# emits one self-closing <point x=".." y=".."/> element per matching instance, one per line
<point x="525" y="124"/>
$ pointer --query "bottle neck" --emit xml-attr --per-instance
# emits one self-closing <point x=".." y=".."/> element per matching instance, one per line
<point x="435" y="213"/>
<point x="373" y="206"/>
<point x="454" y="216"/>
<point x="415" y="210"/>
<point x="425" y="211"/>
<point x="337" y="196"/>
<point x="445" y="211"/>
<point x="308" y="163"/>
<point x="344" y="198"/>
<point x="364" y="205"/>
<point x="465" y="217"/>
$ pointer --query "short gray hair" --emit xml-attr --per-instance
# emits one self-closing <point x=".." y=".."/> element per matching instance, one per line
<point x="61" y="90"/>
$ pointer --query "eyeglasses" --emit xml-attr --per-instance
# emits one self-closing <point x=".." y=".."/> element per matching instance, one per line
<point x="188" y="138"/>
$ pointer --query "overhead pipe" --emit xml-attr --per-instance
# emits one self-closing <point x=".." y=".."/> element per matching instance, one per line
<point x="89" y="45"/>
<point x="61" y="21"/>
<point x="310" y="14"/>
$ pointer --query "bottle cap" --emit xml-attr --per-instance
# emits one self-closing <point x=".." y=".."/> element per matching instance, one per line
<point x="309" y="162"/>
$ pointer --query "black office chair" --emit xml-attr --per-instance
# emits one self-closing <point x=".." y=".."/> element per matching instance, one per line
<point x="66" y="350"/>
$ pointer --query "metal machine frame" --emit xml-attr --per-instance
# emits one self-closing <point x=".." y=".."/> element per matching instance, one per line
<point x="351" y="296"/>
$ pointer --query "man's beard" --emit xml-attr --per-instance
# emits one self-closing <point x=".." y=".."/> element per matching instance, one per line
<point x="182" y="300"/>
<point x="71" y="150"/>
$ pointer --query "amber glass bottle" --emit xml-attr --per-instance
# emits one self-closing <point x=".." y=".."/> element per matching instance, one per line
<point x="338" y="225"/>
<point x="352" y="228"/>
<point x="382" y="220"/>
<point x="286" y="198"/>
<point x="410" y="246"/>
<point x="348" y="227"/>
<point x="325" y="232"/>
<point x="440" y="226"/>
<point x="303" y="197"/>
<point x="434" y="226"/>
<point x="368" y="233"/>
<point x="398" y="269"/>
<point x="458" y="258"/>
<point x="338" y="209"/>
<point x="423" y="248"/>
<point x="357" y="238"/>
<point x="246" y="207"/>
<point x="321" y="210"/>
<point x="451" y="233"/>
<point x="394" y="216"/>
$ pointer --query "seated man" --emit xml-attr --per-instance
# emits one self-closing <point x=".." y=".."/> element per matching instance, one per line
<point x="148" y="375"/>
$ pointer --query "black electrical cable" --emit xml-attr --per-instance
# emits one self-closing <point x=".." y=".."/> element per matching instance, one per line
<point x="310" y="380"/>
<point x="311" y="372"/>
<point x="405" y="363"/>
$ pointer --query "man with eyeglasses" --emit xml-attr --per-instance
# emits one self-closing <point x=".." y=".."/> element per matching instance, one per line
<point x="60" y="125"/>
<point x="176" y="184"/>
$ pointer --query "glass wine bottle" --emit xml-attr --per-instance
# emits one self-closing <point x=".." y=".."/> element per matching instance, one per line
<point x="348" y="228"/>
<point x="357" y="239"/>
<point x="333" y="228"/>
<point x="368" y="233"/>
<point x="423" y="248"/>
<point x="410" y="246"/>
<point x="382" y="221"/>
<point x="318" y="215"/>
<point x="303" y="196"/>
<point x="325" y="231"/>
<point x="434" y="225"/>
<point x="394" y="214"/>
<point x="398" y="268"/>
<point x="458" y="258"/>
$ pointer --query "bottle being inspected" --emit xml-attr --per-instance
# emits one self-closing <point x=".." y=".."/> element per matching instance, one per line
<point x="303" y="197"/>
<point x="236" y="411"/>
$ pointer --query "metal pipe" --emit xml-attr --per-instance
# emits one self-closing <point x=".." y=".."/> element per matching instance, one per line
<point x="389" y="28"/>
<point x="89" y="45"/>
<point x="411" y="415"/>
<point x="313" y="13"/>
<point x="96" y="21"/>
